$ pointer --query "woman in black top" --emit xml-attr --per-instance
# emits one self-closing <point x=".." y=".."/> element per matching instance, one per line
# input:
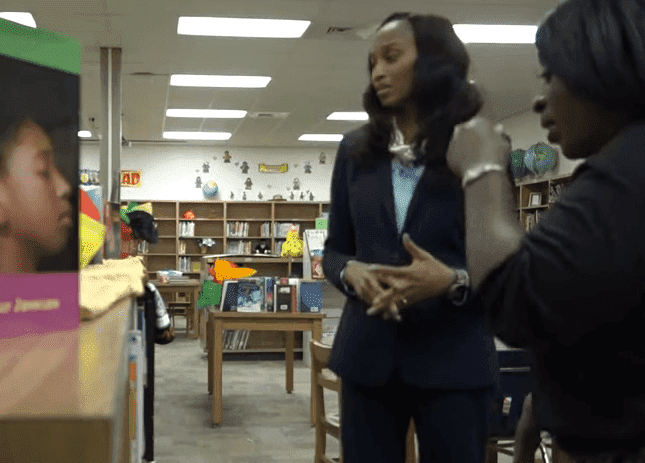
<point x="571" y="290"/>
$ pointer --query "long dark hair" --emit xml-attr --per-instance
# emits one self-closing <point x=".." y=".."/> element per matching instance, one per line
<point x="443" y="95"/>
<point x="598" y="48"/>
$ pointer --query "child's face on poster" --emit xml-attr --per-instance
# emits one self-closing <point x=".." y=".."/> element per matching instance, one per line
<point x="34" y="196"/>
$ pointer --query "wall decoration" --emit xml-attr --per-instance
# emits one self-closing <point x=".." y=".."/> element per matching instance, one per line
<point x="227" y="157"/>
<point x="295" y="165"/>
<point x="244" y="196"/>
<point x="248" y="183"/>
<point x="245" y="167"/>
<point x="232" y="195"/>
<point x="278" y="169"/>
<point x="260" y="195"/>
<point x="210" y="189"/>
<point x="322" y="158"/>
<point x="269" y="186"/>
<point x="311" y="196"/>
<point x="131" y="178"/>
<point x="237" y="164"/>
<point x="198" y="182"/>
<point x="89" y="177"/>
<point x="296" y="184"/>
<point x="302" y="195"/>
<point x="206" y="166"/>
<point x="214" y="158"/>
<point x="291" y="196"/>
<point x="307" y="167"/>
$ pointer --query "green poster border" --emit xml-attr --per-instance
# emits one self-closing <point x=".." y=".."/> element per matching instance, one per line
<point x="39" y="46"/>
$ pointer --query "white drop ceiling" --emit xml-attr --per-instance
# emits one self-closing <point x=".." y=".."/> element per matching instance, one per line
<point x="312" y="76"/>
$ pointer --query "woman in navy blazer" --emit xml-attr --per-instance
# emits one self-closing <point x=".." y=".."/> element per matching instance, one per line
<point x="425" y="355"/>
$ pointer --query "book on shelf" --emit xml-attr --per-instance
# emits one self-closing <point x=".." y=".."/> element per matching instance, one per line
<point x="310" y="297"/>
<point x="229" y="296"/>
<point x="251" y="295"/>
<point x="314" y="245"/>
<point x="269" y="294"/>
<point x="283" y="297"/>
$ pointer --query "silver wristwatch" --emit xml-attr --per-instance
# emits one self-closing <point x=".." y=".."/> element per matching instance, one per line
<point x="460" y="289"/>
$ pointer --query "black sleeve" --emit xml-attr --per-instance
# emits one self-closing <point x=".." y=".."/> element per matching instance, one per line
<point x="339" y="246"/>
<point x="579" y="269"/>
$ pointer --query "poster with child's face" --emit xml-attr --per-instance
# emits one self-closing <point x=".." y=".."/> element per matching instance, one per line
<point x="39" y="162"/>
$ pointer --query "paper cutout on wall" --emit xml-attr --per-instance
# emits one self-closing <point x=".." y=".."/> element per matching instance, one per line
<point x="225" y="270"/>
<point x="322" y="158"/>
<point x="296" y="184"/>
<point x="227" y="157"/>
<point x="273" y="169"/>
<point x="307" y="167"/>
<point x="245" y="167"/>
<point x="206" y="166"/>
<point x="198" y="182"/>
<point x="131" y="178"/>
<point x="248" y="183"/>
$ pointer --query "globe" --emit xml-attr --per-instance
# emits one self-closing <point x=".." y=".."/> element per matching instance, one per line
<point x="540" y="158"/>
<point x="210" y="189"/>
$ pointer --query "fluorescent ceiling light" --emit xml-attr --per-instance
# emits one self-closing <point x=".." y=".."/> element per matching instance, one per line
<point x="479" y="33"/>
<point x="241" y="27"/>
<point x="321" y="137"/>
<point x="84" y="134"/>
<point x="187" y="80"/>
<point x="26" y="19"/>
<point x="197" y="135"/>
<point x="348" y="116"/>
<point x="206" y="113"/>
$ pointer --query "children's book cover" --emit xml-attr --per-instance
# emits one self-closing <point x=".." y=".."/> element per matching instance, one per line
<point x="310" y="297"/>
<point x="250" y="295"/>
<point x="39" y="184"/>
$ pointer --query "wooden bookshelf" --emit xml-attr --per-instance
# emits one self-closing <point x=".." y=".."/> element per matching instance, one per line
<point x="211" y="221"/>
<point x="535" y="197"/>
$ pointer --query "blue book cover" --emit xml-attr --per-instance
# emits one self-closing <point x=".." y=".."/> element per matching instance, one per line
<point x="310" y="297"/>
<point x="250" y="295"/>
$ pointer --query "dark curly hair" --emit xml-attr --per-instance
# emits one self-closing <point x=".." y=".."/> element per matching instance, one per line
<point x="598" y="48"/>
<point x="442" y="93"/>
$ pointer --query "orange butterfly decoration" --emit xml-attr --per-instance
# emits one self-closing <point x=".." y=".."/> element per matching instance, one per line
<point x="225" y="270"/>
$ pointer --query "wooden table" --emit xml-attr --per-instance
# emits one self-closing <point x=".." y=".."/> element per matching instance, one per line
<point x="65" y="396"/>
<point x="192" y="286"/>
<point x="261" y="321"/>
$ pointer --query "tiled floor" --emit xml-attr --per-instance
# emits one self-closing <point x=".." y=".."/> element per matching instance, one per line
<point x="262" y="423"/>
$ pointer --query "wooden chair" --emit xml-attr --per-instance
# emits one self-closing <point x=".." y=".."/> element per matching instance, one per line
<point x="323" y="379"/>
<point x="330" y="424"/>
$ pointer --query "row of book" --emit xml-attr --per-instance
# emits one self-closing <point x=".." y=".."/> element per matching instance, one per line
<point x="235" y="339"/>
<point x="532" y="219"/>
<point x="237" y="229"/>
<point x="239" y="247"/>
<point x="186" y="228"/>
<point x="280" y="229"/>
<point x="271" y="294"/>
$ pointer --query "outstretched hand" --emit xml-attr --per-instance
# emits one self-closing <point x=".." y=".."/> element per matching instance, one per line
<point x="425" y="277"/>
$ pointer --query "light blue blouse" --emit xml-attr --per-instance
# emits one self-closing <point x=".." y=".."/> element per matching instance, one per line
<point x="404" y="182"/>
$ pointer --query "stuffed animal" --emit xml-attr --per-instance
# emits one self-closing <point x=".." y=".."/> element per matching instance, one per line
<point x="293" y="246"/>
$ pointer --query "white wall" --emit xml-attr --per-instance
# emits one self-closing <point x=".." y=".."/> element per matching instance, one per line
<point x="525" y="130"/>
<point x="169" y="172"/>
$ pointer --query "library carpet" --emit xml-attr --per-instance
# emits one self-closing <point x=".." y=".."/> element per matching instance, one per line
<point x="262" y="423"/>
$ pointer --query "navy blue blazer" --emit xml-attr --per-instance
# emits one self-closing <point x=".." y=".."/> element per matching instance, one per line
<point x="438" y="345"/>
